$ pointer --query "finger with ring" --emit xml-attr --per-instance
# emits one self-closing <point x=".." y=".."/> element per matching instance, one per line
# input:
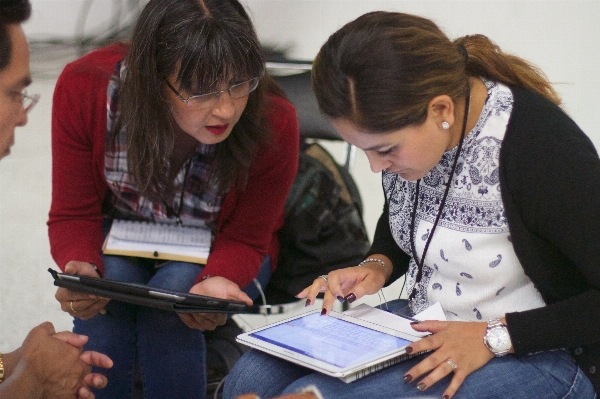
<point x="73" y="310"/>
<point x="451" y="363"/>
<point x="324" y="277"/>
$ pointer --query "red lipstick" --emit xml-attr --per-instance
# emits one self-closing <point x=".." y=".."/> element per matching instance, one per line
<point x="217" y="129"/>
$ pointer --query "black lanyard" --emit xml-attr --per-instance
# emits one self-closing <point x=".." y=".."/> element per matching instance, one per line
<point x="413" y="216"/>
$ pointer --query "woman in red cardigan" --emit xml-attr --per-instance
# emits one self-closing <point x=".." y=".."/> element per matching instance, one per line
<point x="184" y="127"/>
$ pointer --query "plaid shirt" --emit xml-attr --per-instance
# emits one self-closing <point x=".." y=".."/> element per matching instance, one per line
<point x="190" y="206"/>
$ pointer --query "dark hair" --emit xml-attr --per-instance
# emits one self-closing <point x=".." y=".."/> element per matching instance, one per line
<point x="207" y="43"/>
<point x="11" y="12"/>
<point x="381" y="70"/>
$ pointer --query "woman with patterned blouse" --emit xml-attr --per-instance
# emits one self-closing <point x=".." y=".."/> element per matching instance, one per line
<point x="492" y="197"/>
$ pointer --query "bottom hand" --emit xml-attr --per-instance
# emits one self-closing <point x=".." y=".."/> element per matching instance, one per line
<point x="218" y="287"/>
<point x="457" y="348"/>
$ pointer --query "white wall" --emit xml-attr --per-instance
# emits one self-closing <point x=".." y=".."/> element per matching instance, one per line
<point x="63" y="18"/>
<point x="562" y="37"/>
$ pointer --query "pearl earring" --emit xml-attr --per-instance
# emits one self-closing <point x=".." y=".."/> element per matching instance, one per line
<point x="445" y="125"/>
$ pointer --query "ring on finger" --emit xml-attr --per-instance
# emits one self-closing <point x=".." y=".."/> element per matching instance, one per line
<point x="324" y="277"/>
<point x="72" y="310"/>
<point x="452" y="364"/>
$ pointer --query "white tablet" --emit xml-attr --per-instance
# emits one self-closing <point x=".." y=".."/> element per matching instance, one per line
<point x="337" y="345"/>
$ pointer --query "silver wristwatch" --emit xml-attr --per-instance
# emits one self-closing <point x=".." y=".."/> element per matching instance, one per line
<point x="497" y="338"/>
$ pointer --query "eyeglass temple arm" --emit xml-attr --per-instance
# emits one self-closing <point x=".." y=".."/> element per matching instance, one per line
<point x="185" y="100"/>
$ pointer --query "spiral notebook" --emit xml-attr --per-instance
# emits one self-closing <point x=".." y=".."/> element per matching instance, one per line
<point x="158" y="241"/>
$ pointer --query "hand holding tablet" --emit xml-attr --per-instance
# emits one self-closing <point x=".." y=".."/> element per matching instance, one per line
<point x="144" y="295"/>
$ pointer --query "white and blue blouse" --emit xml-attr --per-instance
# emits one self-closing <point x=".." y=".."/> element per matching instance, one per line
<point x="470" y="267"/>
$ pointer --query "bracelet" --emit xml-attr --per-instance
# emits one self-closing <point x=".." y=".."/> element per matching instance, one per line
<point x="369" y="260"/>
<point x="1" y="369"/>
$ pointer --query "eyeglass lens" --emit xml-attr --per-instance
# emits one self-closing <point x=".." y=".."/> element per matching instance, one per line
<point x="29" y="101"/>
<point x="236" y="91"/>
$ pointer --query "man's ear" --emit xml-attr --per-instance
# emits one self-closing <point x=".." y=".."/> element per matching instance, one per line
<point x="441" y="109"/>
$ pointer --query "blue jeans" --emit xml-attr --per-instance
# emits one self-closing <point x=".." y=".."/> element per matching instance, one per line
<point x="551" y="374"/>
<point x="172" y="356"/>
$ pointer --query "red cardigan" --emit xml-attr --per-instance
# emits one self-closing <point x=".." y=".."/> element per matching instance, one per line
<point x="248" y="222"/>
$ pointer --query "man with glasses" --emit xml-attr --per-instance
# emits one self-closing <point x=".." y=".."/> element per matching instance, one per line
<point x="48" y="364"/>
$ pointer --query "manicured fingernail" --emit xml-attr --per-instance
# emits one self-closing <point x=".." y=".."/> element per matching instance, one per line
<point x="446" y="397"/>
<point x="421" y="386"/>
<point x="412" y="323"/>
<point x="407" y="378"/>
<point x="409" y="349"/>
<point x="340" y="298"/>
<point x="323" y="312"/>
<point x="307" y="303"/>
<point x="351" y="297"/>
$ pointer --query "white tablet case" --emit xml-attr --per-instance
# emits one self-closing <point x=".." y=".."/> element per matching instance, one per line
<point x="310" y="331"/>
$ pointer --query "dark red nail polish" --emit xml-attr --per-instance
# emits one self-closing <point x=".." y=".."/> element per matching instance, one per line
<point x="407" y="378"/>
<point x="307" y="303"/>
<point x="414" y="322"/>
<point x="446" y="397"/>
<point x="323" y="312"/>
<point x="421" y="387"/>
<point x="409" y="349"/>
<point x="351" y="297"/>
<point x="339" y="298"/>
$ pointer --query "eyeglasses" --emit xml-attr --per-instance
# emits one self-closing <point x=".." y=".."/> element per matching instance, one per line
<point x="28" y="101"/>
<point x="200" y="101"/>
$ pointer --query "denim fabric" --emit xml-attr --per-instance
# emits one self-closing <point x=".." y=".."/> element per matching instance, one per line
<point x="551" y="374"/>
<point x="171" y="355"/>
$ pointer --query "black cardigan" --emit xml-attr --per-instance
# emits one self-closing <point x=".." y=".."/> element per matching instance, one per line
<point x="550" y="181"/>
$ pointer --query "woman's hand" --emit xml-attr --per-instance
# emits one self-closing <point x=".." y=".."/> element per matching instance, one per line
<point x="79" y="304"/>
<point x="218" y="287"/>
<point x="461" y="343"/>
<point x="348" y="284"/>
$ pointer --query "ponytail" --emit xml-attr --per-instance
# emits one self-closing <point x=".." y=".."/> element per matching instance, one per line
<point x="487" y="60"/>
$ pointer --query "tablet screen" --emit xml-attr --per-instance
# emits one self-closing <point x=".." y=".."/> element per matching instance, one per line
<point x="330" y="340"/>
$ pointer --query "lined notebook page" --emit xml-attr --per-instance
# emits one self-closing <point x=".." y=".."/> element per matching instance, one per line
<point x="156" y="233"/>
<point x="158" y="241"/>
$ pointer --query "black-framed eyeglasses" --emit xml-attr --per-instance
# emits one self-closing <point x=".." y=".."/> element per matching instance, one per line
<point x="200" y="101"/>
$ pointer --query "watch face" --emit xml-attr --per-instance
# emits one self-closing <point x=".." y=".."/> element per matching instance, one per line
<point x="498" y="339"/>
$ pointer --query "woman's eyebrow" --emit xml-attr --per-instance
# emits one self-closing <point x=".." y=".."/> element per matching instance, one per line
<point x="377" y="147"/>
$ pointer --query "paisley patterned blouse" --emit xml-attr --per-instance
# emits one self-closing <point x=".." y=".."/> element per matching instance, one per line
<point x="470" y="267"/>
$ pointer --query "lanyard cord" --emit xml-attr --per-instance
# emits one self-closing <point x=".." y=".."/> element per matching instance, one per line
<point x="421" y="262"/>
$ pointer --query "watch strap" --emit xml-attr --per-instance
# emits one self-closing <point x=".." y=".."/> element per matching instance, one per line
<point x="493" y="323"/>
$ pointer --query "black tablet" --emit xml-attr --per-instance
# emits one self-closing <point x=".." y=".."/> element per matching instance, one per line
<point x="144" y="295"/>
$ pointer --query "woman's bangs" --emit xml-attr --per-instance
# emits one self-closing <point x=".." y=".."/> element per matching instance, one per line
<point x="218" y="59"/>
